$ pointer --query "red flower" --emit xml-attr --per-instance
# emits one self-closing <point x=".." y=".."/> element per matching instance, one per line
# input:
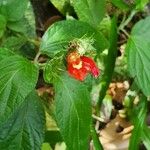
<point x="80" y="66"/>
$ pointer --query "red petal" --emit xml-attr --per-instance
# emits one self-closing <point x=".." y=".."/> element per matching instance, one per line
<point x="90" y="66"/>
<point x="79" y="74"/>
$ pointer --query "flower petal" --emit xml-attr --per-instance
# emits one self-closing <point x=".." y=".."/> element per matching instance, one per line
<point x="90" y="65"/>
<point x="79" y="74"/>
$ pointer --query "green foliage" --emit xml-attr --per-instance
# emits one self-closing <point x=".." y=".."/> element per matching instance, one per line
<point x="2" y="25"/>
<point x="121" y="4"/>
<point x="22" y="117"/>
<point x="5" y="53"/>
<point x="18" y="78"/>
<point x="146" y="136"/>
<point x="18" y="26"/>
<point x="58" y="36"/>
<point x="138" y="118"/>
<point x="140" y="4"/>
<point x="138" y="49"/>
<point x="63" y="6"/>
<point x="13" y="10"/>
<point x="52" y="137"/>
<point x="90" y="11"/>
<point x="73" y="112"/>
<point x="25" y="128"/>
<point x="130" y="4"/>
<point x="53" y="69"/>
<point x="14" y="43"/>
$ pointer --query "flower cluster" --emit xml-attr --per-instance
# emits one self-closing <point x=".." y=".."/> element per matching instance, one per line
<point x="79" y="66"/>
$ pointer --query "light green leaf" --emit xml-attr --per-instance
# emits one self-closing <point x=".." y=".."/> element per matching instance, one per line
<point x="13" y="10"/>
<point x="2" y="25"/>
<point x="138" y="50"/>
<point x="58" y="36"/>
<point x="90" y="11"/>
<point x="140" y="4"/>
<point x="18" y="78"/>
<point x="46" y="146"/>
<point x="73" y="112"/>
<point x="63" y="6"/>
<point x="24" y="130"/>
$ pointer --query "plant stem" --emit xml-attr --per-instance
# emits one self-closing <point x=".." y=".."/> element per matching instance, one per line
<point x="125" y="32"/>
<point x="124" y="23"/>
<point x="96" y="141"/>
<point x="111" y="58"/>
<point x="34" y="41"/>
<point x="36" y="58"/>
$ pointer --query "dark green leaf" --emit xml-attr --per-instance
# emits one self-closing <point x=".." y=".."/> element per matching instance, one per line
<point x="138" y="118"/>
<point x="24" y="130"/>
<point x="90" y="11"/>
<point x="2" y="25"/>
<point x="13" y="10"/>
<point x="73" y="112"/>
<point x="18" y="78"/>
<point x="138" y="50"/>
<point x="58" y="36"/>
<point x="53" y="137"/>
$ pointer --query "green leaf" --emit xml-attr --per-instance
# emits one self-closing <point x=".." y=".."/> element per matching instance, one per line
<point x="18" y="78"/>
<point x="140" y="4"/>
<point x="25" y="25"/>
<point x="58" y="36"/>
<point x="2" y="25"/>
<point x="90" y="11"/>
<point x="138" y="118"/>
<point x="18" y="26"/>
<point x="53" y="137"/>
<point x="5" y="53"/>
<point x="146" y="136"/>
<point x="25" y="128"/>
<point x="73" y="112"/>
<point x="121" y="4"/>
<point x="63" y="6"/>
<point x="53" y="69"/>
<point x="138" y="54"/>
<point x="13" y="42"/>
<point x="46" y="146"/>
<point x="13" y="10"/>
